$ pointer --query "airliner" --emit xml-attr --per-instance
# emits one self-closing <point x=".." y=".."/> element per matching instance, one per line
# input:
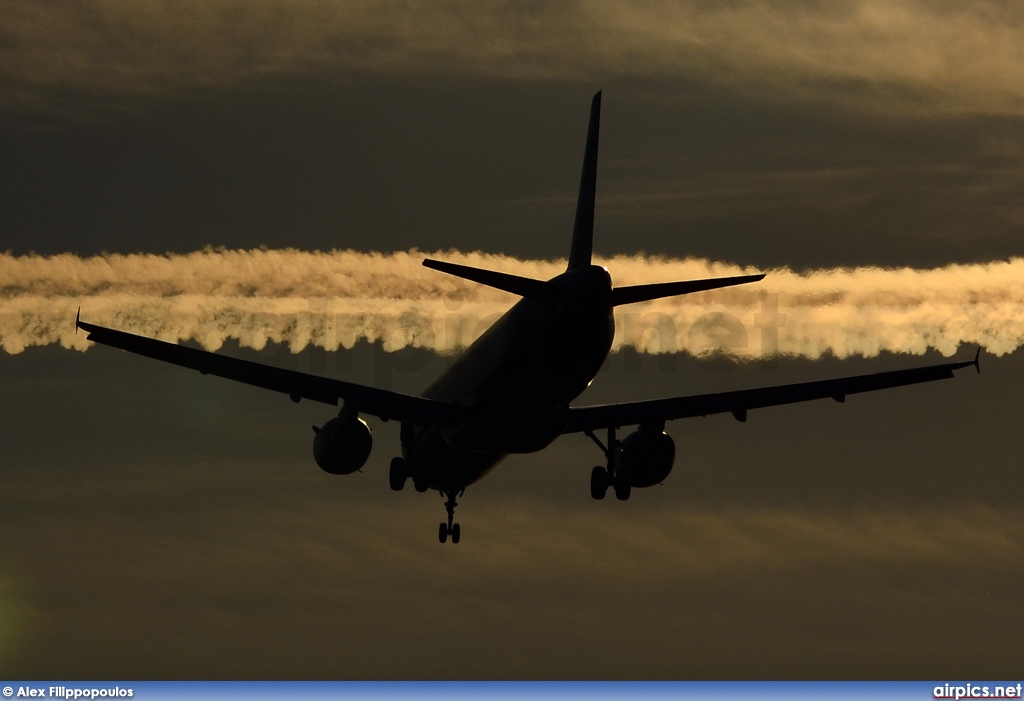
<point x="512" y="390"/>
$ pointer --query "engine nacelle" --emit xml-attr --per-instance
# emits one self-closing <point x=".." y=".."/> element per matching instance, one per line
<point x="646" y="457"/>
<point x="342" y="445"/>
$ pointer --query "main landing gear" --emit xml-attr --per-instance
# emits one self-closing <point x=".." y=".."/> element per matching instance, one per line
<point x="600" y="477"/>
<point x="450" y="529"/>
<point x="399" y="473"/>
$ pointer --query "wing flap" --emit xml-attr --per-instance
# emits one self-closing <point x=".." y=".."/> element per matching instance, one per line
<point x="297" y="385"/>
<point x="658" y="411"/>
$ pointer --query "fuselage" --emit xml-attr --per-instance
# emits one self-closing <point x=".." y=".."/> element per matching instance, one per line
<point x="516" y="382"/>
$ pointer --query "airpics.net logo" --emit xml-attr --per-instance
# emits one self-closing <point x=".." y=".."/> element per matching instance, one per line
<point x="63" y="692"/>
<point x="978" y="691"/>
<point x="715" y="342"/>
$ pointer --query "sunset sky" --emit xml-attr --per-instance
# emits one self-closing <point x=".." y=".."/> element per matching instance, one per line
<point x="157" y="160"/>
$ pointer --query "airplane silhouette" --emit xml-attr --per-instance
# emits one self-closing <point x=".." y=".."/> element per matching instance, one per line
<point x="512" y="388"/>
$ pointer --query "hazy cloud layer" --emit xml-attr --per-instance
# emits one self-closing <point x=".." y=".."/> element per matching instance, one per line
<point x="269" y="575"/>
<point x="181" y="521"/>
<point x="916" y="56"/>
<point x="335" y="299"/>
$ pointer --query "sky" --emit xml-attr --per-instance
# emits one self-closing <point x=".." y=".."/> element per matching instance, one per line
<point x="262" y="179"/>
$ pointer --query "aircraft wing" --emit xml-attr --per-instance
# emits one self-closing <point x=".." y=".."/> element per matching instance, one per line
<point x="297" y="385"/>
<point x="658" y="411"/>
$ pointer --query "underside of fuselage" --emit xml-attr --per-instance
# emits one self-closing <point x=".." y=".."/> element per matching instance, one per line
<point x="516" y="382"/>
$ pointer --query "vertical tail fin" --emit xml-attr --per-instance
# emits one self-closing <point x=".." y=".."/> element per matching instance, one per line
<point x="583" y="230"/>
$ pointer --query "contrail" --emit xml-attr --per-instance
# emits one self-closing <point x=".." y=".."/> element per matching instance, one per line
<point x="337" y="298"/>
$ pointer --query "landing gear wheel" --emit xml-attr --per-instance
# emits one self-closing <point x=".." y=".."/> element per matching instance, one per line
<point x="420" y="484"/>
<point x="451" y="528"/>
<point x="598" y="482"/>
<point x="398" y="474"/>
<point x="622" y="492"/>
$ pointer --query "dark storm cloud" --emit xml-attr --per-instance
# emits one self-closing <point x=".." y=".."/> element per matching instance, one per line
<point x="388" y="163"/>
<point x="800" y="134"/>
<point x="914" y="56"/>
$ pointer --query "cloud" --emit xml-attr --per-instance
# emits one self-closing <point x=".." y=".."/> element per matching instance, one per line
<point x="335" y="299"/>
<point x="918" y="56"/>
<point x="263" y="584"/>
<point x="181" y="521"/>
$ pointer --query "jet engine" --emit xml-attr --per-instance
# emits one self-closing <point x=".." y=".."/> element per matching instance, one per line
<point x="342" y="445"/>
<point x="646" y="457"/>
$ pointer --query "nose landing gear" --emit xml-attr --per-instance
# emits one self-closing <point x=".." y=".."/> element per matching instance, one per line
<point x="450" y="529"/>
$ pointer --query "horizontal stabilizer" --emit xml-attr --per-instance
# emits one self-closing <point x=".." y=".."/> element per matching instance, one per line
<point x="517" y="285"/>
<point x="645" y="293"/>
